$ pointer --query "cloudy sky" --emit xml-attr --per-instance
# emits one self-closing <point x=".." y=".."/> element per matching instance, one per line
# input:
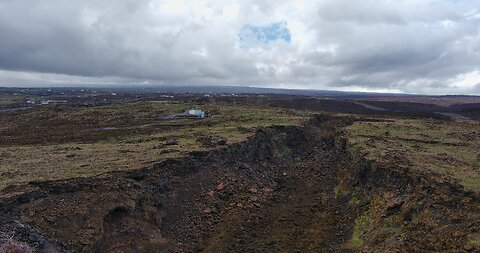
<point x="414" y="46"/>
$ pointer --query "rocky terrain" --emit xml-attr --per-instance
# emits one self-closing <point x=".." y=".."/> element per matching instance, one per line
<point x="285" y="189"/>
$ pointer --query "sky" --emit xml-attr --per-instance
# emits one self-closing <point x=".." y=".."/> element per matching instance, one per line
<point x="409" y="46"/>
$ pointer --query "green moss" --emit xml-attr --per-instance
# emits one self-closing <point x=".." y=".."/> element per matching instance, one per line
<point x="355" y="199"/>
<point x="474" y="242"/>
<point x="337" y="190"/>
<point x="356" y="242"/>
<point x="389" y="229"/>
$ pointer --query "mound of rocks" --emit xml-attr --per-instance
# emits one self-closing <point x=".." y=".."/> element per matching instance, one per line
<point x="212" y="141"/>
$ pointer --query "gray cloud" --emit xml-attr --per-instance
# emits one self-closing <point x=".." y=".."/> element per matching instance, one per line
<point x="430" y="46"/>
<point x="394" y="43"/>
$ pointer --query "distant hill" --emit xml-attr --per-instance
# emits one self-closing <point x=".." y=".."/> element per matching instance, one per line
<point x="251" y="90"/>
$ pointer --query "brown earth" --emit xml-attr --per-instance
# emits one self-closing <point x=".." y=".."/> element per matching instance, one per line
<point x="286" y="189"/>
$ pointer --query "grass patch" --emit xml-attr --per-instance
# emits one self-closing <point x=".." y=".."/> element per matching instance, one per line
<point x="426" y="144"/>
<point x="389" y="229"/>
<point x="64" y="145"/>
<point x="356" y="242"/>
<point x="337" y="190"/>
<point x="355" y="199"/>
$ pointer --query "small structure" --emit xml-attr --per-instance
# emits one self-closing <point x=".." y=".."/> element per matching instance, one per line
<point x="190" y="113"/>
<point x="195" y="113"/>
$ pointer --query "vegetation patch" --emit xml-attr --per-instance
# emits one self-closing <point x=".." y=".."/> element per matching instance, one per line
<point x="357" y="241"/>
<point x="448" y="147"/>
<point x="71" y="142"/>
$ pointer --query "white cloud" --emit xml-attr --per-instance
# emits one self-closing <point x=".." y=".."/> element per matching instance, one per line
<point x="466" y="81"/>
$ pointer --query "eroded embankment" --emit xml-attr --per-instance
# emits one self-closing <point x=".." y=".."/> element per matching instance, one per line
<point x="286" y="189"/>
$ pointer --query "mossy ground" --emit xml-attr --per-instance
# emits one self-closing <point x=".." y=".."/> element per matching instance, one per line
<point x="448" y="147"/>
<point x="59" y="142"/>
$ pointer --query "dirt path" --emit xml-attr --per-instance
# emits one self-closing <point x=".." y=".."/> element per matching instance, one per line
<point x="303" y="214"/>
<point x="455" y="116"/>
<point x="368" y="106"/>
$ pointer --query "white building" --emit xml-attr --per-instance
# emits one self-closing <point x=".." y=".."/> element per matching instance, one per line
<point x="196" y="112"/>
